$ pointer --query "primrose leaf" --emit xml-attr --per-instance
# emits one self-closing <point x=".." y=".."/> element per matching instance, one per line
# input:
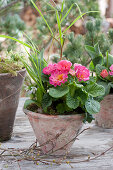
<point x="46" y="101"/>
<point x="58" y="91"/>
<point x="95" y="90"/>
<point x="28" y="102"/>
<point x="92" y="106"/>
<point x="72" y="102"/>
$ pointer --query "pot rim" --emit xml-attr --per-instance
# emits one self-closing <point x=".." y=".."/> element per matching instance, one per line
<point x="47" y="116"/>
<point x="9" y="74"/>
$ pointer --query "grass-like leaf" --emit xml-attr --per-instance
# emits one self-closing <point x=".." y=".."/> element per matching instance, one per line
<point x="80" y="16"/>
<point x="62" y="8"/>
<point x="21" y="42"/>
<point x="70" y="10"/>
<point x="42" y="16"/>
<point x="59" y="27"/>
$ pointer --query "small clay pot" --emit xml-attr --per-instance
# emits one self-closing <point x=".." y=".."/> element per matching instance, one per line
<point x="105" y="117"/>
<point x="54" y="133"/>
<point x="10" y="87"/>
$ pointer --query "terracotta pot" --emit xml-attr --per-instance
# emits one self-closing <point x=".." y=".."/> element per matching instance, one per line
<point x="10" y="87"/>
<point x="55" y="132"/>
<point x="105" y="117"/>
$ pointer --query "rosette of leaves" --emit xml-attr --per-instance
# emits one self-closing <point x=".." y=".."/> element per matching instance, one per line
<point x="70" y="98"/>
<point x="98" y="63"/>
<point x="73" y="97"/>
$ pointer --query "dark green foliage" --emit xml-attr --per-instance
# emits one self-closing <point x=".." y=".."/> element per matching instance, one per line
<point x="90" y="5"/>
<point x="95" y="35"/>
<point x="75" y="51"/>
<point x="72" y="102"/>
<point x="46" y="101"/>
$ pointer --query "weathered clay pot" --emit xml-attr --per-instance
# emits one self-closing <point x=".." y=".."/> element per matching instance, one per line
<point x="105" y="117"/>
<point x="10" y="87"/>
<point x="54" y="133"/>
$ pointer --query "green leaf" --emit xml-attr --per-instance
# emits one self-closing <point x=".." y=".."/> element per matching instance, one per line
<point x="42" y="16"/>
<point x="45" y="78"/>
<point x="97" y="60"/>
<point x="62" y="8"/>
<point x="61" y="108"/>
<point x="58" y="91"/>
<point x="21" y="42"/>
<point x="59" y="27"/>
<point x="92" y="106"/>
<point x="91" y="66"/>
<point x="46" y="101"/>
<point x="39" y="94"/>
<point x="67" y="12"/>
<point x="99" y="68"/>
<point x="110" y="84"/>
<point x="72" y="102"/>
<point x="88" y="118"/>
<point x="70" y="10"/>
<point x="91" y="51"/>
<point x="37" y="62"/>
<point x="80" y="16"/>
<point x="95" y="90"/>
<point x="76" y="85"/>
<point x="97" y="49"/>
<point x="28" y="102"/>
<point x="95" y="54"/>
<point x="106" y="85"/>
<point x="110" y="60"/>
<point x="82" y="95"/>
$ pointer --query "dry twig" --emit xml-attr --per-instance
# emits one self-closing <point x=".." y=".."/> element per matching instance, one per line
<point x="33" y="153"/>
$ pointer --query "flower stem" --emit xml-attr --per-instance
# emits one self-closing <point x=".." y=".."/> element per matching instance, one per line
<point x="107" y="58"/>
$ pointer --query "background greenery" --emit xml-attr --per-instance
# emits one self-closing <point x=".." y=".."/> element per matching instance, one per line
<point x="15" y="18"/>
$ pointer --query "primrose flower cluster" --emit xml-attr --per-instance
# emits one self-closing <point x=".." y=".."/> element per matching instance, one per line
<point x="59" y="72"/>
<point x="104" y="73"/>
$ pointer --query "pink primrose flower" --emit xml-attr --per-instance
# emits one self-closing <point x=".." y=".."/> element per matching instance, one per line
<point x="82" y="73"/>
<point x="104" y="73"/>
<point x="76" y="66"/>
<point x="72" y="72"/>
<point x="49" y="69"/>
<point x="57" y="78"/>
<point x="64" y="65"/>
<point x="111" y="72"/>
